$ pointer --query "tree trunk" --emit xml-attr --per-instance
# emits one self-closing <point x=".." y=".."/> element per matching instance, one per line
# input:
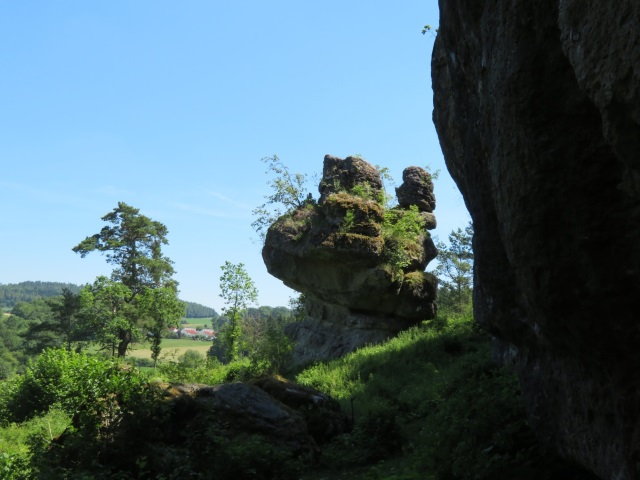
<point x="125" y="339"/>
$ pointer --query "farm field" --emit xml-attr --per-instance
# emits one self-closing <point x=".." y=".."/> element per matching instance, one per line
<point x="195" y="322"/>
<point x="171" y="347"/>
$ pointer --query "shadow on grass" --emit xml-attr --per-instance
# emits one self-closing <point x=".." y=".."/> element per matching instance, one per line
<point x="432" y="397"/>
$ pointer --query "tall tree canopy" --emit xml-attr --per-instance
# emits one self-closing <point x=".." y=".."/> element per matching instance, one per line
<point x="133" y="244"/>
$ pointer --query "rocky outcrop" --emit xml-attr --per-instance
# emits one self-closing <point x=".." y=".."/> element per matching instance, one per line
<point x="362" y="284"/>
<point x="264" y="429"/>
<point x="238" y="409"/>
<point x="416" y="189"/>
<point x="340" y="175"/>
<point x="537" y="106"/>
<point x="321" y="413"/>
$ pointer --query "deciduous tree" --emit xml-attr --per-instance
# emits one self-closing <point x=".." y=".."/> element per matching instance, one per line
<point x="108" y="311"/>
<point x="163" y="308"/>
<point x="288" y="193"/>
<point x="238" y="292"/>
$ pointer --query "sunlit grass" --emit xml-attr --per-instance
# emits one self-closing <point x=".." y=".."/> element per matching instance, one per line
<point x="15" y="438"/>
<point x="195" y="322"/>
<point x="409" y="370"/>
<point x="427" y="403"/>
<point x="172" y="348"/>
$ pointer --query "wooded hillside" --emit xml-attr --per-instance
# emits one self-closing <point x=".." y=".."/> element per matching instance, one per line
<point x="13" y="293"/>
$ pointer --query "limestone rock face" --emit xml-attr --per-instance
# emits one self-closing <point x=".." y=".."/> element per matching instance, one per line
<point x="335" y="252"/>
<point x="537" y="106"/>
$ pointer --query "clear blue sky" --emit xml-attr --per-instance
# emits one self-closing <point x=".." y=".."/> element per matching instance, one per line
<point x="169" y="106"/>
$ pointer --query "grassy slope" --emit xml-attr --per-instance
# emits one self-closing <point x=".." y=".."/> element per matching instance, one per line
<point x="429" y="404"/>
<point x="404" y="380"/>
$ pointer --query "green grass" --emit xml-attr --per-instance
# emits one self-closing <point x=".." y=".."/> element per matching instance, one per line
<point x="14" y="438"/>
<point x="195" y="322"/>
<point x="17" y="441"/>
<point x="172" y="348"/>
<point x="429" y="404"/>
<point x="411" y="369"/>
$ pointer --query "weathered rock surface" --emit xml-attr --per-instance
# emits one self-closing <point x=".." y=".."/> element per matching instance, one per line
<point x="321" y="413"/>
<point x="342" y="175"/>
<point x="537" y="106"/>
<point x="239" y="409"/>
<point x="241" y="430"/>
<point x="332" y="331"/>
<point x="416" y="189"/>
<point x="335" y="253"/>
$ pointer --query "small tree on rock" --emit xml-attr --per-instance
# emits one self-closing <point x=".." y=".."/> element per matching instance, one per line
<point x="289" y="193"/>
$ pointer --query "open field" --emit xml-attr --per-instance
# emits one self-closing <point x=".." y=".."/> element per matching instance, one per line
<point x="170" y="347"/>
<point x="195" y="322"/>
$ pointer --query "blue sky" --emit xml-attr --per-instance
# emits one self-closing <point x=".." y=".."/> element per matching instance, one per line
<point x="169" y="106"/>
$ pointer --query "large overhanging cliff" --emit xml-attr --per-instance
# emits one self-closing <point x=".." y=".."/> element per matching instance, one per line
<point x="537" y="106"/>
<point x="360" y="266"/>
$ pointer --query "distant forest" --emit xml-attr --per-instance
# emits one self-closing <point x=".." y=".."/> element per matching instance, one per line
<point x="13" y="293"/>
<point x="196" y="310"/>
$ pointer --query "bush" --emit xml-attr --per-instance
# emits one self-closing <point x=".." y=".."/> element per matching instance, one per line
<point x="274" y="351"/>
<point x="144" y="362"/>
<point x="191" y="359"/>
<point x="374" y="439"/>
<point x="86" y="402"/>
<point x="92" y="390"/>
<point x="402" y="231"/>
<point x="211" y="372"/>
<point x="15" y="467"/>
<point x="213" y="455"/>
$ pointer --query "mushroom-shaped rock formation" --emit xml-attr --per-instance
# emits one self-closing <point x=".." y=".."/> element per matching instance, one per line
<point x="360" y="266"/>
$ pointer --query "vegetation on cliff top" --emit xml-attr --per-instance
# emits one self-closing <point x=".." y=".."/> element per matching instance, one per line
<point x="364" y="211"/>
